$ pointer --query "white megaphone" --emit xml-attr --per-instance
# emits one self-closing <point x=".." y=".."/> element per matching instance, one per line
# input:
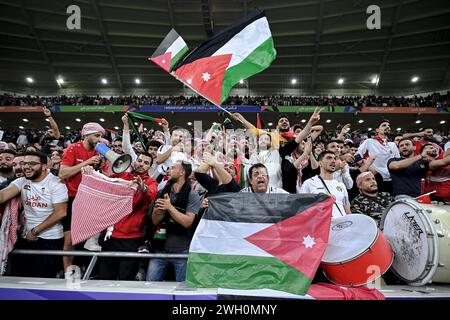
<point x="120" y="162"/>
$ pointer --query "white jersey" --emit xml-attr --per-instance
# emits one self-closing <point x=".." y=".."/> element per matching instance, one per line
<point x="272" y="161"/>
<point x="174" y="157"/>
<point x="383" y="151"/>
<point x="38" y="200"/>
<point x="314" y="185"/>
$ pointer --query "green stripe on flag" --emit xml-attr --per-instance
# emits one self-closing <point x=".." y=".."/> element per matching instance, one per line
<point x="206" y="270"/>
<point x="177" y="57"/>
<point x="255" y="62"/>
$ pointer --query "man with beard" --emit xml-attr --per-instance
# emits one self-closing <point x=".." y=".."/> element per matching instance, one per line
<point x="174" y="212"/>
<point x="325" y="183"/>
<point x="342" y="173"/>
<point x="282" y="135"/>
<point x="408" y="170"/>
<point x="6" y="164"/>
<point x="44" y="198"/>
<point x="426" y="137"/>
<point x="382" y="150"/>
<point x="76" y="156"/>
<point x="369" y="201"/>
<point x="127" y="234"/>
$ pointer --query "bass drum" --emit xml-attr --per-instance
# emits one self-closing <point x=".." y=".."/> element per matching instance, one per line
<point x="419" y="235"/>
<point x="356" y="248"/>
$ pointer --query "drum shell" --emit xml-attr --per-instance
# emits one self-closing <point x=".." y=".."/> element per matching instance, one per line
<point x="440" y="217"/>
<point x="356" y="272"/>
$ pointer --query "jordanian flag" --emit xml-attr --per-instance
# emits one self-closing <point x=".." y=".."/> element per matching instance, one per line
<point x="238" y="52"/>
<point x="255" y="241"/>
<point x="171" y="50"/>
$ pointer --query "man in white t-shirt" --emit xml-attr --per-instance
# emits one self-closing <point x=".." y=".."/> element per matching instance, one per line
<point x="168" y="155"/>
<point x="325" y="183"/>
<point x="44" y="199"/>
<point x="383" y="150"/>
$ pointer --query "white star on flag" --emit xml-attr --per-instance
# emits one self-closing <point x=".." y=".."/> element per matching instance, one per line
<point x="308" y="241"/>
<point x="164" y="61"/>
<point x="206" y="76"/>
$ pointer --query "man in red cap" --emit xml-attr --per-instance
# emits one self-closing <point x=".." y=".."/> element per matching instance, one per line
<point x="76" y="156"/>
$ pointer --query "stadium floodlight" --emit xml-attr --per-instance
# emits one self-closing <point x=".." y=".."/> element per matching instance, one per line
<point x="29" y="79"/>
<point x="104" y="81"/>
<point x="370" y="129"/>
<point x="415" y="79"/>
<point x="442" y="122"/>
<point x="270" y="124"/>
<point x="399" y="129"/>
<point x="102" y="120"/>
<point x="341" y="81"/>
<point x="361" y="121"/>
<point x="418" y="121"/>
<point x="294" y="81"/>
<point x="25" y="120"/>
<point x="78" y="120"/>
<point x="189" y="123"/>
<point x="60" y="81"/>
<point x="375" y="80"/>
<point x="116" y="128"/>
<point x="303" y="121"/>
<point x="21" y="127"/>
<point x="137" y="81"/>
<point x="328" y="121"/>
<point x="68" y="128"/>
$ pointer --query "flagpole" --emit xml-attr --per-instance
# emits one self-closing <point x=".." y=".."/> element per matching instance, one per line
<point x="187" y="84"/>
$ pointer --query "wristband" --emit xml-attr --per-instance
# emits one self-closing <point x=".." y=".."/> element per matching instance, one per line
<point x="33" y="232"/>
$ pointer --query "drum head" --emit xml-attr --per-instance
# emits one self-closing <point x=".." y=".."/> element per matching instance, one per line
<point x="350" y="236"/>
<point x="404" y="226"/>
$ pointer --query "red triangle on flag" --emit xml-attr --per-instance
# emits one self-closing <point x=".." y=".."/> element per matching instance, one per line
<point x="206" y="75"/>
<point x="299" y="241"/>
<point x="163" y="60"/>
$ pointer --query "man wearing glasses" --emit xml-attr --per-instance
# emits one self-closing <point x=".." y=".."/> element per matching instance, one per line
<point x="44" y="199"/>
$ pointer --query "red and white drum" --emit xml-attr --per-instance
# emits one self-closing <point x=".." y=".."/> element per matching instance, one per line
<point x="420" y="237"/>
<point x="356" y="249"/>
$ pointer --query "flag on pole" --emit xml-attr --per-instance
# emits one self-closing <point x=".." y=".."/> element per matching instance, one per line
<point x="238" y="52"/>
<point x="170" y="51"/>
<point x="217" y="65"/>
<point x="259" y="123"/>
<point x="256" y="241"/>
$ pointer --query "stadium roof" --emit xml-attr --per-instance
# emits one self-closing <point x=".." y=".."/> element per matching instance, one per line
<point x="318" y="42"/>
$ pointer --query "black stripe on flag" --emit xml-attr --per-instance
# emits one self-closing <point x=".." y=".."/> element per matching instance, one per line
<point x="207" y="48"/>
<point x="259" y="207"/>
<point x="166" y="43"/>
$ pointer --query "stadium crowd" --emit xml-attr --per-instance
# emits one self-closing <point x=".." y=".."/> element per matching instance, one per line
<point x="434" y="100"/>
<point x="174" y="172"/>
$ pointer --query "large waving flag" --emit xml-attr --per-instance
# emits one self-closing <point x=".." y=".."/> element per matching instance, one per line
<point x="255" y="241"/>
<point x="238" y="52"/>
<point x="170" y="51"/>
<point x="217" y="65"/>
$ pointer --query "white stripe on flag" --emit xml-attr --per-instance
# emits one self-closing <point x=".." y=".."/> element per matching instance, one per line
<point x="222" y="237"/>
<point x="176" y="46"/>
<point x="246" y="41"/>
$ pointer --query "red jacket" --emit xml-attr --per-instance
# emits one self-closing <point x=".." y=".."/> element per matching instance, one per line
<point x="132" y="225"/>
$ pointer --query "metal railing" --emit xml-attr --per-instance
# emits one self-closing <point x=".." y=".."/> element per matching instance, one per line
<point x="96" y="254"/>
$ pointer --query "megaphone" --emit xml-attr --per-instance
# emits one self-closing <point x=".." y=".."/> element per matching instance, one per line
<point x="120" y="162"/>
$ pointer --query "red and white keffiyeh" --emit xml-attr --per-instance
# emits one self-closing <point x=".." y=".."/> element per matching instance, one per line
<point x="100" y="202"/>
<point x="8" y="231"/>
